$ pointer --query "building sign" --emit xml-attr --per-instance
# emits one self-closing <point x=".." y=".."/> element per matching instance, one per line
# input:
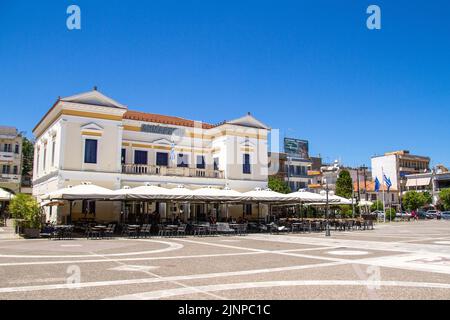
<point x="296" y="147"/>
<point x="158" y="129"/>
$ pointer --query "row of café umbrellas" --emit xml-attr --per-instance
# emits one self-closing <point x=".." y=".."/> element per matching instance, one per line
<point x="89" y="191"/>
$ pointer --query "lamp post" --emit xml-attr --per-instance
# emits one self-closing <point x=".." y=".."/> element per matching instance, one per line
<point x="328" y="171"/>
<point x="327" y="193"/>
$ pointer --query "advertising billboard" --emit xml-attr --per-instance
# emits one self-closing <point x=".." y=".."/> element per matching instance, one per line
<point x="296" y="148"/>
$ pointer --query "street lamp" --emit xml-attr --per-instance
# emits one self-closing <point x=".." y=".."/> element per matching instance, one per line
<point x="328" y="171"/>
<point x="328" y="193"/>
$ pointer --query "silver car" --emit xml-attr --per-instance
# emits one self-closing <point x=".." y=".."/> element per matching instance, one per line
<point x="445" y="215"/>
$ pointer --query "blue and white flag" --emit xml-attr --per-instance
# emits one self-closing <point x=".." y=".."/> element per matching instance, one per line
<point x="377" y="185"/>
<point x="387" y="182"/>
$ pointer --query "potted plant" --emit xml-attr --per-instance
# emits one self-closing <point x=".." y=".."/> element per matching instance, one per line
<point x="25" y="209"/>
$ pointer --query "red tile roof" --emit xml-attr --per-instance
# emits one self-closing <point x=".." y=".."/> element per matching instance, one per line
<point x="158" y="118"/>
<point x="370" y="186"/>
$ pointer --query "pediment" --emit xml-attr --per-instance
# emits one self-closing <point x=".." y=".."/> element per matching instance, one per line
<point x="94" y="97"/>
<point x="92" y="126"/>
<point x="248" y="121"/>
<point x="162" y="141"/>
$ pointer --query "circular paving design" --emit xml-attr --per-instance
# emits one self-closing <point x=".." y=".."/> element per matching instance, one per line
<point x="166" y="246"/>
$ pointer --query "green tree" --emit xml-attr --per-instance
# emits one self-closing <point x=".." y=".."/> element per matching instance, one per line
<point x="24" y="206"/>
<point x="27" y="155"/>
<point x="413" y="200"/>
<point x="444" y="196"/>
<point x="278" y="185"/>
<point x="346" y="211"/>
<point x="377" y="205"/>
<point x="344" y="184"/>
<point x="428" y="198"/>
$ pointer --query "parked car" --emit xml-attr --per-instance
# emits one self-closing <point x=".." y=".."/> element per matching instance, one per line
<point x="432" y="214"/>
<point x="421" y="214"/>
<point x="445" y="215"/>
<point x="378" y="213"/>
<point x="403" y="214"/>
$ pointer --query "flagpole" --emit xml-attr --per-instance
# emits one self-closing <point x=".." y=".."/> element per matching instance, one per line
<point x="384" y="204"/>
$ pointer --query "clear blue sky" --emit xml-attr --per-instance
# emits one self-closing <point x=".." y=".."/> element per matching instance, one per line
<point x="310" y="68"/>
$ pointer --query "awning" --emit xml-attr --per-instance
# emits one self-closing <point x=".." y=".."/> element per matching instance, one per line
<point x="418" y="182"/>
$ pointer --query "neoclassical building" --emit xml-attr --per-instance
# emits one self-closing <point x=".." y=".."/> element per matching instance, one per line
<point x="90" y="137"/>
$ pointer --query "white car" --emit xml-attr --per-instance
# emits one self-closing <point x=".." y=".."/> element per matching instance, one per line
<point x="378" y="213"/>
<point x="432" y="214"/>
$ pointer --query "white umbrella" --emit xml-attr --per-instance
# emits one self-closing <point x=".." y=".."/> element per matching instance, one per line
<point x="178" y="193"/>
<point x="214" y="194"/>
<point x="364" y="203"/>
<point x="83" y="191"/>
<point x="142" y="192"/>
<point x="305" y="196"/>
<point x="338" y="200"/>
<point x="5" y="195"/>
<point x="267" y="195"/>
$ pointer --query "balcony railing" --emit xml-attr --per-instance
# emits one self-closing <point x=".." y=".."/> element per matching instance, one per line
<point x="5" y="177"/>
<point x="8" y="156"/>
<point x="168" y="171"/>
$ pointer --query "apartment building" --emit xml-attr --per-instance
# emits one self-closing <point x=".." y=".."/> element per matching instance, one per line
<point x="397" y="165"/>
<point x="10" y="159"/>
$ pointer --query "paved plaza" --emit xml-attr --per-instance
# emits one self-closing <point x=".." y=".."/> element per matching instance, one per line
<point x="409" y="260"/>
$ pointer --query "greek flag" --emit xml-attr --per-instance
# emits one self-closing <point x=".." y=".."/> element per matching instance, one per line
<point x="377" y="185"/>
<point x="387" y="182"/>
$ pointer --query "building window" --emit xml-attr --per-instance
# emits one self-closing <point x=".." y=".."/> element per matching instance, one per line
<point x="200" y="162"/>
<point x="246" y="166"/>
<point x="5" y="169"/>
<point x="16" y="149"/>
<point x="90" y="151"/>
<point x="123" y="156"/>
<point x="88" y="207"/>
<point x="7" y="147"/>
<point x="53" y="152"/>
<point x="216" y="164"/>
<point x="248" y="209"/>
<point x="140" y="157"/>
<point x="162" y="159"/>
<point x="37" y="161"/>
<point x="292" y="186"/>
<point x="15" y="170"/>
<point x="182" y="160"/>
<point x="45" y="158"/>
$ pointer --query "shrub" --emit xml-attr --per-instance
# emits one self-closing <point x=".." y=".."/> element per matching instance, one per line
<point x="390" y="214"/>
<point x="25" y="207"/>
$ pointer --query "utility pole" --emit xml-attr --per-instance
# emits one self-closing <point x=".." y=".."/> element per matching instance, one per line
<point x="364" y="168"/>
<point x="357" y="184"/>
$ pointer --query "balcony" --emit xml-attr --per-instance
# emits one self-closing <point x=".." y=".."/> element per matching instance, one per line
<point x="8" y="156"/>
<point x="5" y="177"/>
<point x="141" y="169"/>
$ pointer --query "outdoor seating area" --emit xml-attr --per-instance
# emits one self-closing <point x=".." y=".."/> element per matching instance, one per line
<point x="181" y="224"/>
<point x="204" y="229"/>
